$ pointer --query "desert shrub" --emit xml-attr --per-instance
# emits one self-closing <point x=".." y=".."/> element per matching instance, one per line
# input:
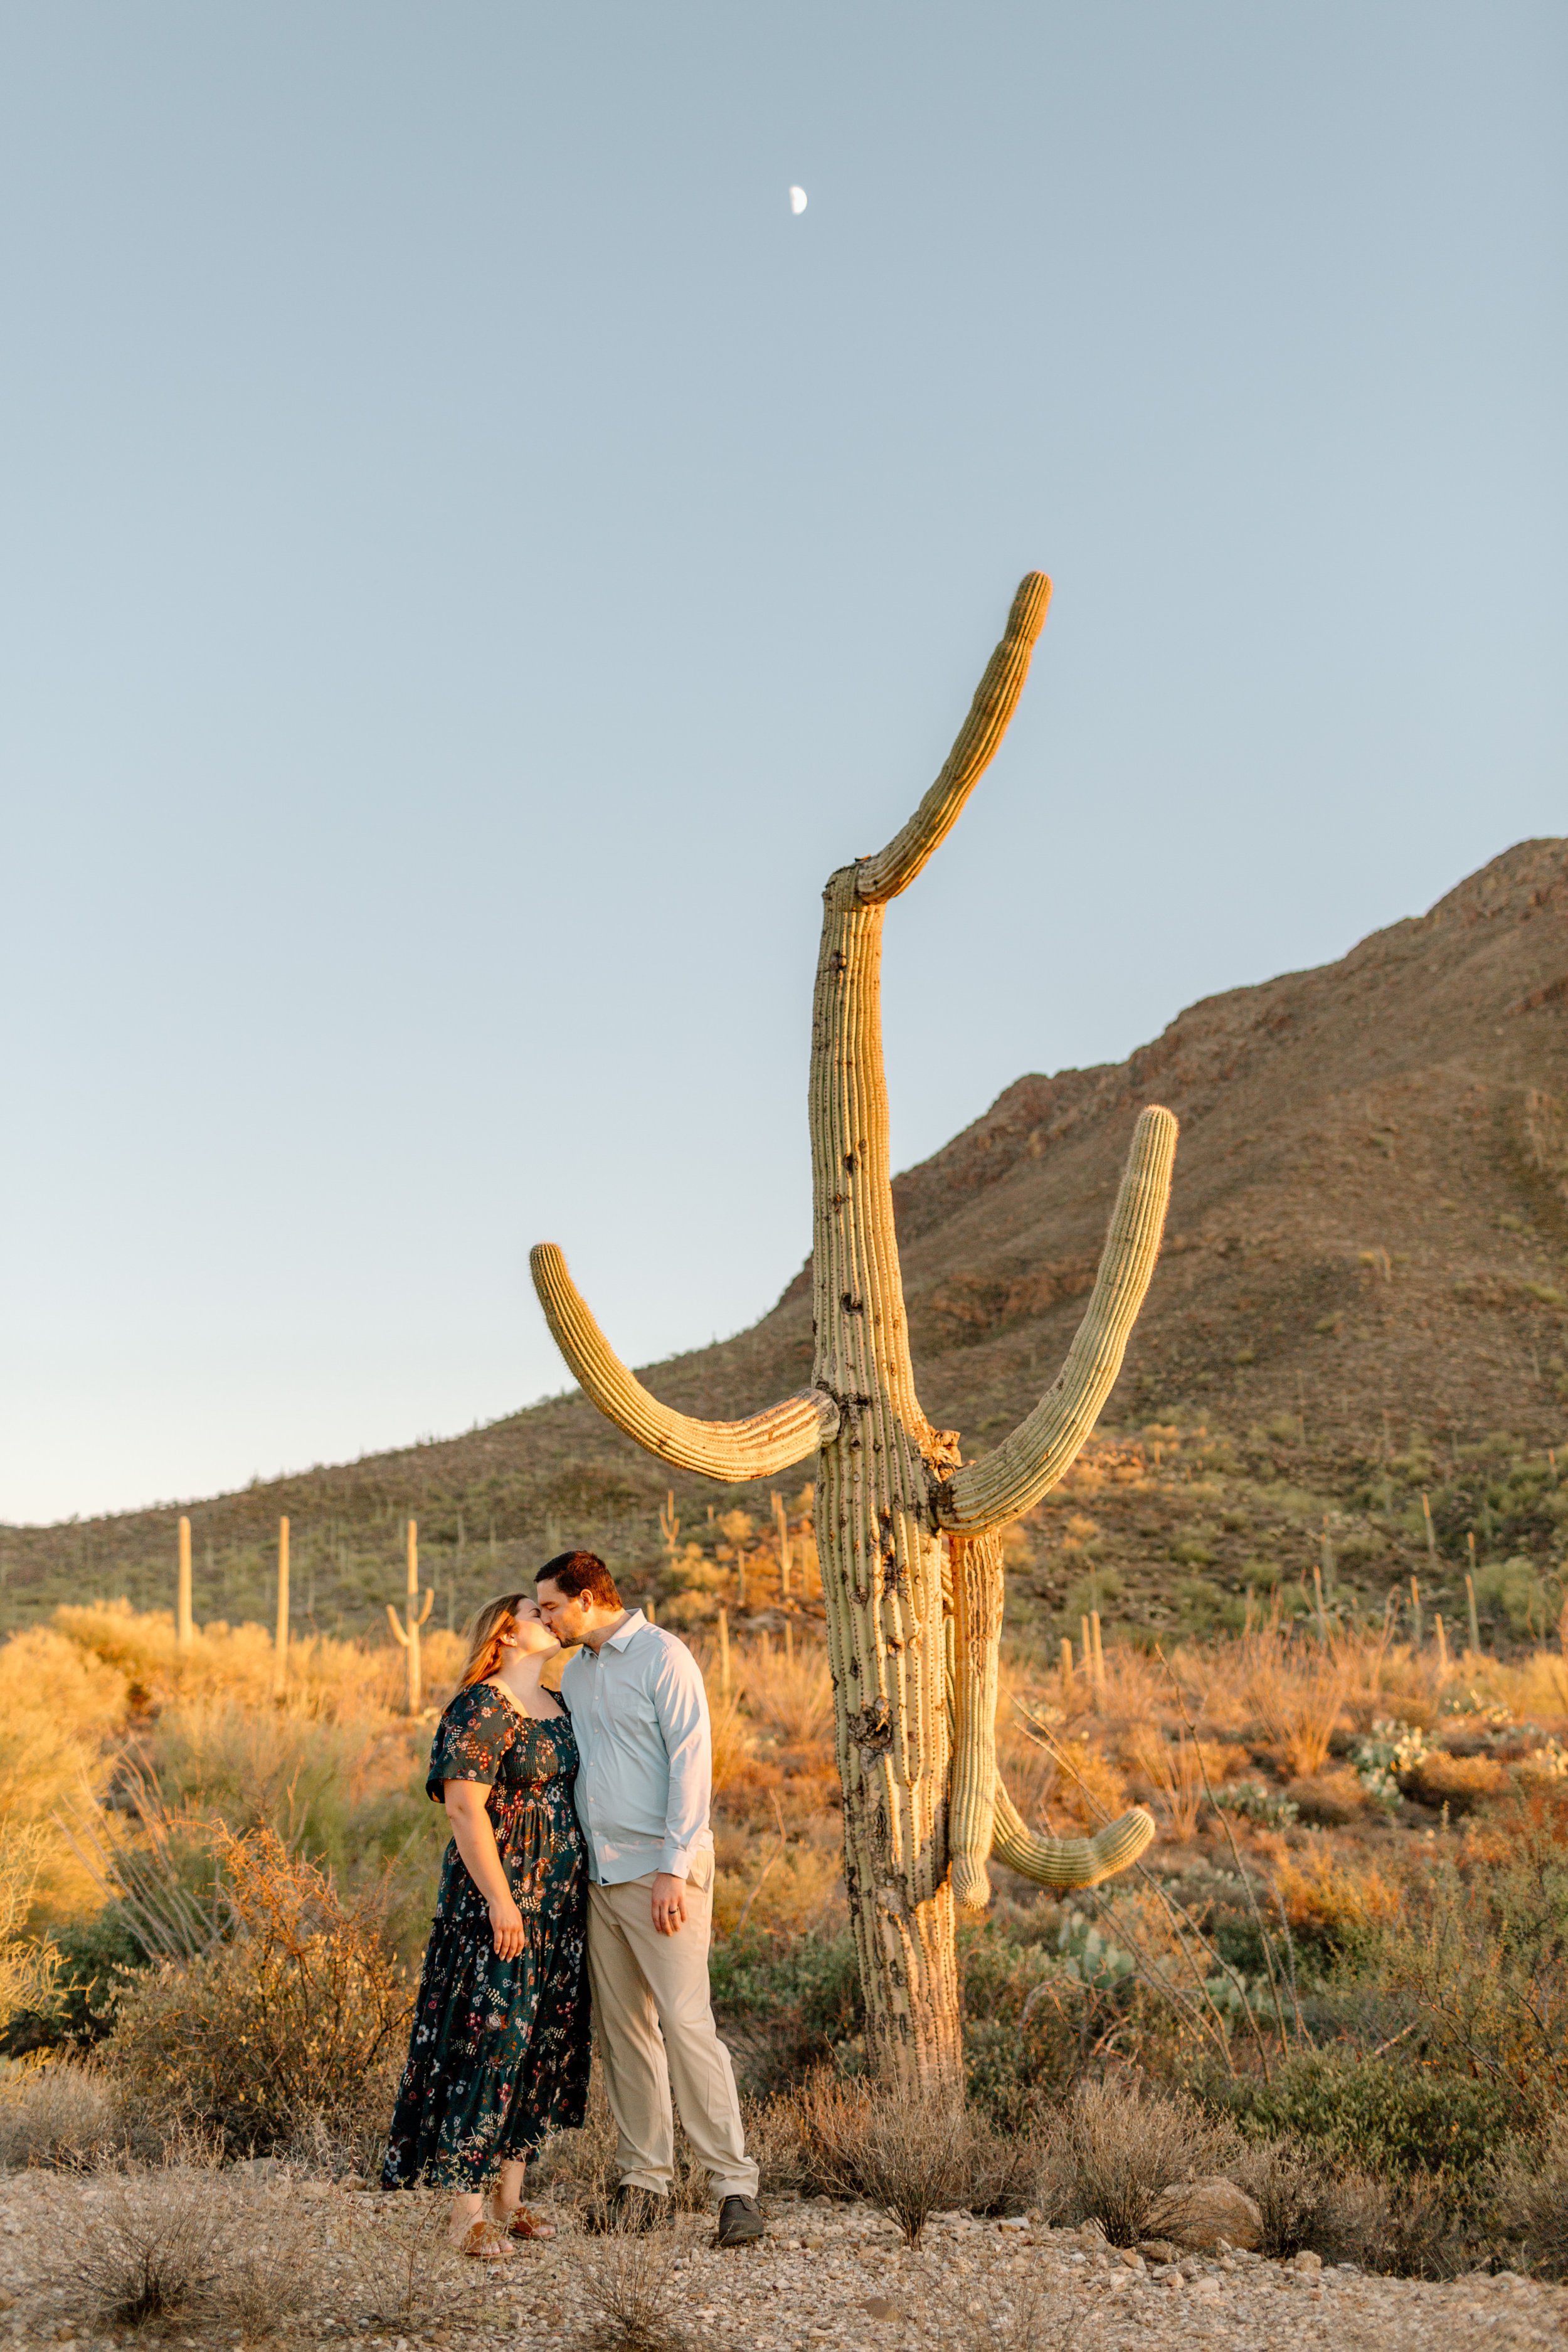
<point x="1478" y="1950"/>
<point x="786" y="2005"/>
<point x="1530" y="2188"/>
<point x="55" y="2112"/>
<point x="1460" y="1783"/>
<point x="908" y="2153"/>
<point x="95" y="1956"/>
<point x="297" y="2015"/>
<point x="178" y="2245"/>
<point x="1334" y="1904"/>
<point x="632" y="2301"/>
<point x="1032" y="2019"/>
<point x="1116" y="2144"/>
<point x="1392" y="2116"/>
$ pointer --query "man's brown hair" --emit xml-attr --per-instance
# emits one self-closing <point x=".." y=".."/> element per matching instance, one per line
<point x="576" y="1573"/>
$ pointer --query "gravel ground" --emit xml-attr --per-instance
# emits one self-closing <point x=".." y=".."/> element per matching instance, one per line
<point x="828" y="2275"/>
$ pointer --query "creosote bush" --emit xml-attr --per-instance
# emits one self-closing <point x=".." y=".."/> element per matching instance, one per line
<point x="301" y="2014"/>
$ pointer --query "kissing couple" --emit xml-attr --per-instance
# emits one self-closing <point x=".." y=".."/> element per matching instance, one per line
<point x="580" y="1876"/>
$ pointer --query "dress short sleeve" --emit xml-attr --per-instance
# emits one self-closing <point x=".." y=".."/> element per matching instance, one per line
<point x="472" y="1737"/>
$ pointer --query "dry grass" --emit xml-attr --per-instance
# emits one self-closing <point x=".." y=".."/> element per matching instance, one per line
<point x="1532" y="2191"/>
<point x="1174" y="1770"/>
<point x="171" y="2249"/>
<point x="411" y="2279"/>
<point x="59" y="2112"/>
<point x="632" y="2300"/>
<point x="989" y="2313"/>
<point x="1110" y="2151"/>
<point x="791" y="1696"/>
<point x="910" y="2155"/>
<point x="1297" y="1693"/>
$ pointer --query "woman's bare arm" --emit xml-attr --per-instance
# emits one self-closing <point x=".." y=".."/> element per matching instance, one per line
<point x="475" y="1841"/>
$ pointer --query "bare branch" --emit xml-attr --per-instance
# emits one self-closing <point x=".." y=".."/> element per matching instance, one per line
<point x="1064" y="1862"/>
<point x="1004" y="1485"/>
<point x="734" y="1450"/>
<point x="995" y="699"/>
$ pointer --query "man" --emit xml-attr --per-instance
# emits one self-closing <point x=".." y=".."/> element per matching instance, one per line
<point x="639" y="1714"/>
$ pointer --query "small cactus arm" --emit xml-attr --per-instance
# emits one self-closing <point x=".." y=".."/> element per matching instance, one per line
<point x="731" y="1450"/>
<point x="982" y="1820"/>
<point x="1004" y="1485"/>
<point x="396" y="1621"/>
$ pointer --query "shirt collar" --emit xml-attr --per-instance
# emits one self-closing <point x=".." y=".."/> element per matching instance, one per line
<point x="635" y="1625"/>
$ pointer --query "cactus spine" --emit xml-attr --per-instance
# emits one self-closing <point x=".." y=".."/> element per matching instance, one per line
<point x="414" y="1616"/>
<point x="908" y="1535"/>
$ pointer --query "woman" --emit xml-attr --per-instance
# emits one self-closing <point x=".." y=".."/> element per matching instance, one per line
<point x="499" y="2056"/>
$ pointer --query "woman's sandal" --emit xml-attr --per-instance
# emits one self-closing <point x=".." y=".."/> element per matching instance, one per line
<point x="524" y="2224"/>
<point x="486" y="2242"/>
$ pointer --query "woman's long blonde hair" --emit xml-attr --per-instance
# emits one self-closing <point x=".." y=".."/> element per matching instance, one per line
<point x="485" y="1631"/>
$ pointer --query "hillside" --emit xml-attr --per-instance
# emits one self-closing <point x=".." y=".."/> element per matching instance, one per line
<point x="1359" y="1301"/>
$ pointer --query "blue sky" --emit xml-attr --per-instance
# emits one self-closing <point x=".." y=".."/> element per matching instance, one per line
<point x="472" y="563"/>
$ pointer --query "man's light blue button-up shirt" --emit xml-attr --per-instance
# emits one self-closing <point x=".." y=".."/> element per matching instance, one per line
<point x="639" y="1715"/>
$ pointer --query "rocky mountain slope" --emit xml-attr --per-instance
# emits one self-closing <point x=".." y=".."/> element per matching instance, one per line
<point x="1368" y="1238"/>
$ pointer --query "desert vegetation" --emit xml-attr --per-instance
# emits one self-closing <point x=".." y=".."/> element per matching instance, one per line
<point x="1337" y="1985"/>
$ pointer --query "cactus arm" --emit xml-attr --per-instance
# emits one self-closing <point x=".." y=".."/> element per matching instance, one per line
<point x="429" y="1604"/>
<point x="995" y="699"/>
<point x="976" y="1587"/>
<point x="734" y="1450"/>
<point x="1006" y="1484"/>
<point x="1065" y="1863"/>
<point x="398" y="1634"/>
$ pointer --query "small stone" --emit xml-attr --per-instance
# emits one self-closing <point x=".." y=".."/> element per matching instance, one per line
<point x="878" y="2307"/>
<point x="1305" y="2260"/>
<point x="1201" y="2213"/>
<point x="1159" y="2249"/>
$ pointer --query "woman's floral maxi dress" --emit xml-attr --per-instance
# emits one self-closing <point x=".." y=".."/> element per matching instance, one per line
<point x="498" y="2055"/>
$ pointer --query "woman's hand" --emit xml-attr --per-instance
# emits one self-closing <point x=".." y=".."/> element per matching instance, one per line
<point x="506" y="1927"/>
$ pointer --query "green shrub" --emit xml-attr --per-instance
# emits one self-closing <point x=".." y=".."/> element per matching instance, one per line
<point x="1392" y="2116"/>
<point x="787" y="2004"/>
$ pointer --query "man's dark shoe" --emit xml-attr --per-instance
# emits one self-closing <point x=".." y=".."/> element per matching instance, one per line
<point x="740" y="2222"/>
<point x="629" y="2213"/>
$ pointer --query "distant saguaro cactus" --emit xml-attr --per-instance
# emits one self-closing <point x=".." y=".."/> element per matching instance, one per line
<point x="908" y="1535"/>
<point x="414" y="1616"/>
<point x="183" y="1633"/>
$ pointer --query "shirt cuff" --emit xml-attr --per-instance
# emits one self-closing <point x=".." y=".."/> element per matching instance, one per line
<point x="676" y="1860"/>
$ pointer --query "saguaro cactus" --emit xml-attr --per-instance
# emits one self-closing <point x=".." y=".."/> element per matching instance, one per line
<point x="908" y="1534"/>
<point x="184" y="1632"/>
<point x="414" y="1616"/>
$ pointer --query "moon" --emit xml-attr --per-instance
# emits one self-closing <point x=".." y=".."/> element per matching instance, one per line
<point x="797" y="200"/>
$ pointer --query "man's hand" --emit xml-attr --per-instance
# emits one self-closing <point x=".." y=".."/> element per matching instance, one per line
<point x="668" y="1904"/>
<point x="506" y="1929"/>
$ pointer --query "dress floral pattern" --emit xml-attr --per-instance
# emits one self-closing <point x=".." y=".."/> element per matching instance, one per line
<point x="498" y="2055"/>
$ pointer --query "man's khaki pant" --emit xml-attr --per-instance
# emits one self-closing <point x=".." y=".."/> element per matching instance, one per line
<point x="654" y="2020"/>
